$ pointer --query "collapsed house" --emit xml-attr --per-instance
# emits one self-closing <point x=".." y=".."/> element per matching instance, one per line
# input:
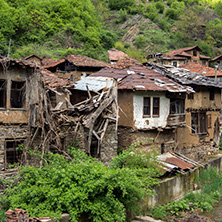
<point x="151" y="105"/>
<point x="201" y="135"/>
<point x="35" y="112"/>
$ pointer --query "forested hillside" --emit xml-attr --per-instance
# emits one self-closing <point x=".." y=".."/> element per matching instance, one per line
<point x="55" y="28"/>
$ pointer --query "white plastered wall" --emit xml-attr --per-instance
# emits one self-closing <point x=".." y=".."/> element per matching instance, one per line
<point x="150" y="122"/>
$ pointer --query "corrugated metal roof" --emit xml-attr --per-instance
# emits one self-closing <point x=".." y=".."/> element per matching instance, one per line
<point x="170" y="161"/>
<point x="94" y="83"/>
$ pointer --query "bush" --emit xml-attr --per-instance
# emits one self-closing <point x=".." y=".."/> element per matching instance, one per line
<point x="121" y="4"/>
<point x="83" y="187"/>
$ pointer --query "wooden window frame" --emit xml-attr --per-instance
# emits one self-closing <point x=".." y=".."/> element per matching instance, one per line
<point x="156" y="115"/>
<point x="190" y="96"/>
<point x="200" y="123"/>
<point x="22" y="93"/>
<point x="182" y="103"/>
<point x="147" y="106"/>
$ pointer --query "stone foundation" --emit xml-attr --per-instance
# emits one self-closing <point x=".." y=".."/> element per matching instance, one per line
<point x="127" y="136"/>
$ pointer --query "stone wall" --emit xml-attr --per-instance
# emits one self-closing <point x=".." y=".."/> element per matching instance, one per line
<point x="172" y="189"/>
<point x="127" y="136"/>
<point x="15" y="132"/>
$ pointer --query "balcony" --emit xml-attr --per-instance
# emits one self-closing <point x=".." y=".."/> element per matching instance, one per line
<point x="175" y="120"/>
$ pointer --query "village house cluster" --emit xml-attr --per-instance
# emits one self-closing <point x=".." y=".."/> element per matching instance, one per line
<point x="171" y="102"/>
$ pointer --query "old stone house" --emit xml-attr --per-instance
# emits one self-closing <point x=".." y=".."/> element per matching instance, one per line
<point x="34" y="58"/>
<point x="151" y="106"/>
<point x="25" y="91"/>
<point x="201" y="135"/>
<point x="74" y="67"/>
<point x="179" y="57"/>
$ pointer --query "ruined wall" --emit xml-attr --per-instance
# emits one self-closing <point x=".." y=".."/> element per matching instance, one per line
<point x="166" y="137"/>
<point x="18" y="115"/>
<point x="142" y="122"/>
<point x="110" y="144"/>
<point x="125" y="101"/>
<point x="202" y="100"/>
<point x="197" y="146"/>
<point x="34" y="59"/>
<point x="10" y="132"/>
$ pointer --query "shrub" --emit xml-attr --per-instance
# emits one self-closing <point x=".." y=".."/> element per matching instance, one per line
<point x="121" y="4"/>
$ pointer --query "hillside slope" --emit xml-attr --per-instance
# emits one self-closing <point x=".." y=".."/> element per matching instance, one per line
<point x="56" y="28"/>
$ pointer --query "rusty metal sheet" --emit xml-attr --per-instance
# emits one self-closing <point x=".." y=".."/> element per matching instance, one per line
<point x="180" y="163"/>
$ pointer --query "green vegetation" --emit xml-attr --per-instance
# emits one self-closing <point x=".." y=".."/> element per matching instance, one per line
<point x="210" y="183"/>
<point x="55" y="28"/>
<point x="84" y="186"/>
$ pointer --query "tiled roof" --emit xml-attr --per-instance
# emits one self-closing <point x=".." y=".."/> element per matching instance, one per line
<point x="182" y="50"/>
<point x="115" y="55"/>
<point x="46" y="62"/>
<point x="51" y="80"/>
<point x="19" y="62"/>
<point x="32" y="55"/>
<point x="184" y="76"/>
<point x="79" y="61"/>
<point x="201" y="69"/>
<point x="140" y="78"/>
<point x="126" y="62"/>
<point x="216" y="58"/>
<point x="54" y="64"/>
<point x="85" y="61"/>
<point x="205" y="57"/>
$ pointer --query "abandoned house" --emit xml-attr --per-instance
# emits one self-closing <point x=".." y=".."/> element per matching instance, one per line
<point x="150" y="105"/>
<point x="22" y="88"/>
<point x="201" y="135"/>
<point x="179" y="57"/>
<point x="203" y="70"/>
<point x="74" y="67"/>
<point x="34" y="58"/>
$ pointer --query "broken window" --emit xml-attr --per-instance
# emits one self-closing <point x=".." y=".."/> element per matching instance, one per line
<point x="13" y="153"/>
<point x="3" y="90"/>
<point x="190" y="96"/>
<point x="156" y="106"/>
<point x="211" y="91"/>
<point x="52" y="98"/>
<point x="199" y="122"/>
<point x="175" y="63"/>
<point x="146" y="106"/>
<point x="176" y="106"/>
<point x="18" y="94"/>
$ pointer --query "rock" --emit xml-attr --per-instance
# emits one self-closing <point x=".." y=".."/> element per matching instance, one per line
<point x="145" y="219"/>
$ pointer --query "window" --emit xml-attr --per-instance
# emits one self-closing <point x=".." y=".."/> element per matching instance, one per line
<point x="13" y="154"/>
<point x="199" y="122"/>
<point x="176" y="106"/>
<point x="3" y="89"/>
<point x="204" y="62"/>
<point x="190" y="96"/>
<point x="146" y="106"/>
<point x="211" y="91"/>
<point x="175" y="63"/>
<point x="194" y="52"/>
<point x="17" y="94"/>
<point x="156" y="106"/>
